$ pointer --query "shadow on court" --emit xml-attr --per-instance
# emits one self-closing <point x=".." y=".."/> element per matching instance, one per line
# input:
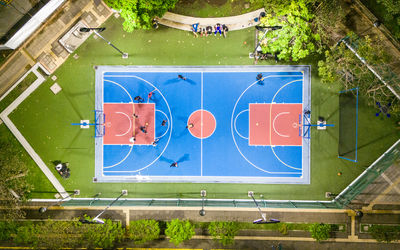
<point x="185" y="157"/>
<point x="176" y="80"/>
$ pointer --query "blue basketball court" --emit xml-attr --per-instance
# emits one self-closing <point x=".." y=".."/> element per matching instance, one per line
<point x="217" y="124"/>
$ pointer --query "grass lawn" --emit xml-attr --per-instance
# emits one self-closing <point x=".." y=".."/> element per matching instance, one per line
<point x="22" y="86"/>
<point x="42" y="186"/>
<point x="44" y="118"/>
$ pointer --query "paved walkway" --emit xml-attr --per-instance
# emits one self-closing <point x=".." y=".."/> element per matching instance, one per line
<point x="43" y="45"/>
<point x="43" y="48"/>
<point x="233" y="22"/>
<point x="126" y="214"/>
<point x="4" y="117"/>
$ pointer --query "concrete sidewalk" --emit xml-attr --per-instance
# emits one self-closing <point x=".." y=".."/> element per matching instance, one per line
<point x="331" y="216"/>
<point x="233" y="22"/>
<point x="43" y="45"/>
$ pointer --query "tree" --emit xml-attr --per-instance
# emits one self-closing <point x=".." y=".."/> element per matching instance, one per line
<point x="14" y="188"/>
<point x="392" y="14"/>
<point x="223" y="231"/>
<point x="320" y="231"/>
<point x="7" y="229"/>
<point x="138" y="14"/>
<point x="384" y="233"/>
<point x="274" y="6"/>
<point x="328" y="21"/>
<point x="102" y="235"/>
<point x="50" y="234"/>
<point x="342" y="66"/>
<point x="142" y="231"/>
<point x="295" y="40"/>
<point x="179" y="231"/>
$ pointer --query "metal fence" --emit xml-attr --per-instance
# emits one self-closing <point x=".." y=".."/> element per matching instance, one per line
<point x="342" y="200"/>
<point x="369" y="175"/>
<point x="228" y="203"/>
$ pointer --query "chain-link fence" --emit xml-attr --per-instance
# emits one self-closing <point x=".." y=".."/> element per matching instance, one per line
<point x="369" y="175"/>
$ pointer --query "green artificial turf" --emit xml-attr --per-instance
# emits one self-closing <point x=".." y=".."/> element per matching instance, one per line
<point x="41" y="185"/>
<point x="44" y="118"/>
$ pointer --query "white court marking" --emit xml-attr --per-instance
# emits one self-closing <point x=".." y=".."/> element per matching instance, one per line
<point x="270" y="128"/>
<point x="126" y="156"/>
<point x="273" y="124"/>
<point x="130" y="123"/>
<point x="171" y="122"/>
<point x="234" y="124"/>
<point x="232" y="119"/>
<point x="161" y="136"/>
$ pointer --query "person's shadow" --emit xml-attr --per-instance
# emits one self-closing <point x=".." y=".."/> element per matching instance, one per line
<point x="185" y="157"/>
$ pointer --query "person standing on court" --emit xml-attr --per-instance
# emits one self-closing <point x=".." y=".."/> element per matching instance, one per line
<point x="138" y="99"/>
<point x="182" y="77"/>
<point x="260" y="79"/>
<point x="174" y="165"/>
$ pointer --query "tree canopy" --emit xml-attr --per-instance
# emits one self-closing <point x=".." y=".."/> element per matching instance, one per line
<point x="142" y="231"/>
<point x="14" y="187"/>
<point x="138" y="14"/>
<point x="342" y="66"/>
<point x="179" y="231"/>
<point x="295" y="40"/>
<point x="223" y="231"/>
<point x="320" y="231"/>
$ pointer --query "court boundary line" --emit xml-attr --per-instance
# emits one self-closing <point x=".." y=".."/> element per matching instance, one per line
<point x="304" y="179"/>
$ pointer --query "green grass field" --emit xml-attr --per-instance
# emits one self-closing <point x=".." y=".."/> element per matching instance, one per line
<point x="44" y="118"/>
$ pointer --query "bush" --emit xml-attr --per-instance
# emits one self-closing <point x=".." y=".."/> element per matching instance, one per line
<point x="320" y="231"/>
<point x="283" y="228"/>
<point x="384" y="233"/>
<point x="179" y="231"/>
<point x="104" y="236"/>
<point x="223" y="231"/>
<point x="7" y="228"/>
<point x="142" y="231"/>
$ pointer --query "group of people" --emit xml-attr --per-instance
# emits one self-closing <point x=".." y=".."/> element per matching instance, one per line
<point x="209" y="30"/>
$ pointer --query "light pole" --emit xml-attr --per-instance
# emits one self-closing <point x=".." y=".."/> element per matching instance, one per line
<point x="97" y="220"/>
<point x="44" y="209"/>
<point x="263" y="219"/>
<point x="97" y="31"/>
<point x="260" y="28"/>
<point x="203" y="194"/>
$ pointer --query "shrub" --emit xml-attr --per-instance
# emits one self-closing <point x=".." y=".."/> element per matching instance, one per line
<point x="142" y="231"/>
<point x="179" y="231"/>
<point x="384" y="233"/>
<point x="223" y="231"/>
<point x="104" y="236"/>
<point x="283" y="228"/>
<point x="7" y="228"/>
<point x="320" y="231"/>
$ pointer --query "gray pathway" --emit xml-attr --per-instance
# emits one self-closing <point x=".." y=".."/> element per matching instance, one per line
<point x="233" y="22"/>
